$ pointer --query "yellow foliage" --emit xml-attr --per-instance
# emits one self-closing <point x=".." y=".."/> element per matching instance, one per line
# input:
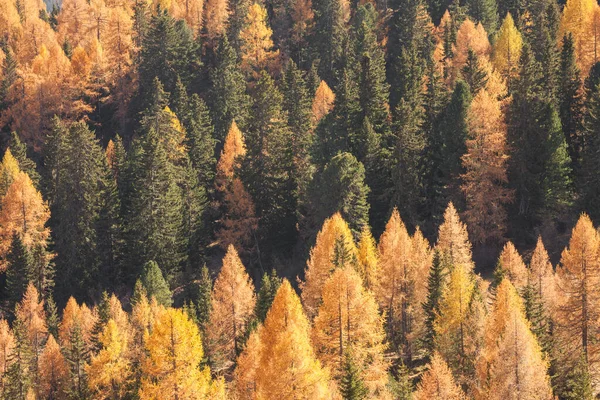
<point x="247" y="367"/>
<point x="7" y="344"/>
<point x="578" y="19"/>
<point x="233" y="148"/>
<point x="541" y="276"/>
<point x="288" y="367"/>
<point x="23" y="213"/>
<point x="321" y="262"/>
<point x="109" y="370"/>
<point x="216" y="17"/>
<point x="323" y="102"/>
<point x="233" y="302"/>
<point x="453" y="239"/>
<point x="507" y="49"/>
<point x="81" y="62"/>
<point x="171" y="369"/>
<point x="9" y="169"/>
<point x="30" y="311"/>
<point x="511" y="361"/>
<point x="437" y="382"/>
<point x="256" y="43"/>
<point x="368" y="258"/>
<point x="349" y="318"/>
<point x="469" y="37"/>
<point x="513" y="266"/>
<point x="54" y="371"/>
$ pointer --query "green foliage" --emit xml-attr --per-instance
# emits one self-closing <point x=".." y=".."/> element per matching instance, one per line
<point x="155" y="285"/>
<point x="352" y="386"/>
<point x="203" y="303"/>
<point x="538" y="318"/>
<point x="19" y="263"/>
<point x="328" y="37"/>
<point x="18" y="375"/>
<point x="269" y="285"/>
<point x="579" y="382"/>
<point x="52" y="320"/>
<point x="401" y="387"/>
<point x="486" y="12"/>
<point x="340" y="187"/>
<point x="19" y="152"/>
<point x="473" y="74"/>
<point x="435" y="281"/>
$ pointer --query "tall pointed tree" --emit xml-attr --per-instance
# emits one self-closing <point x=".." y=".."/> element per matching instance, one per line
<point x="438" y="383"/>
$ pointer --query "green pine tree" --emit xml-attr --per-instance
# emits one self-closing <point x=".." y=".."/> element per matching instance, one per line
<point x="228" y="91"/>
<point x="486" y="12"/>
<point x="77" y="355"/>
<point x="155" y="284"/>
<point x="538" y="318"/>
<point x="473" y="74"/>
<point x="590" y="181"/>
<point x="340" y="187"/>
<point x="19" y="263"/>
<point x="103" y="315"/>
<point x="328" y="37"/>
<point x="401" y="386"/>
<point x="18" y="375"/>
<point x="203" y="303"/>
<point x="435" y="282"/>
<point x="266" y="294"/>
<point x="578" y="385"/>
<point x="52" y="320"/>
<point x="352" y="386"/>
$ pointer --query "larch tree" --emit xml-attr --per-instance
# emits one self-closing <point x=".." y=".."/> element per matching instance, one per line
<point x="470" y="36"/>
<point x="453" y="239"/>
<point x="287" y="365"/>
<point x="542" y="277"/>
<point x="335" y="233"/>
<point x="9" y="169"/>
<point x="54" y="371"/>
<point x="485" y="170"/>
<point x="578" y="19"/>
<point x="256" y="43"/>
<point x="513" y="267"/>
<point x="438" y="383"/>
<point x="578" y="302"/>
<point x="322" y="103"/>
<point x="7" y="344"/>
<point x="239" y="222"/>
<point x="368" y="258"/>
<point x="511" y="362"/>
<point x="25" y="213"/>
<point x="348" y="321"/>
<point x="109" y="370"/>
<point x="171" y="369"/>
<point x="396" y="291"/>
<point x="507" y="50"/>
<point x="232" y="306"/>
<point x="216" y="17"/>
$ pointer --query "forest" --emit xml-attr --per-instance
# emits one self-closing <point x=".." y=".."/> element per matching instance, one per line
<point x="300" y="199"/>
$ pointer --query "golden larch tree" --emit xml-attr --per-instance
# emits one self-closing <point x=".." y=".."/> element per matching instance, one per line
<point x="30" y="312"/>
<point x="578" y="19"/>
<point x="513" y="266"/>
<point x="232" y="307"/>
<point x="239" y="222"/>
<point x="9" y="170"/>
<point x="24" y="213"/>
<point x="7" y="344"/>
<point x="349" y="320"/>
<point x="109" y="370"/>
<point x="321" y="262"/>
<point x="507" y="49"/>
<point x="216" y="17"/>
<point x="396" y="290"/>
<point x="511" y="363"/>
<point x="171" y="369"/>
<point x="54" y="372"/>
<point x="74" y="21"/>
<point x="247" y="366"/>
<point x="468" y="37"/>
<point x="541" y="275"/>
<point x="578" y="308"/>
<point x="256" y="43"/>
<point x="422" y="256"/>
<point x="368" y="259"/>
<point x="322" y="103"/>
<point x="453" y="239"/>
<point x="485" y="178"/>
<point x="288" y="367"/>
<point x="458" y="322"/>
<point x="438" y="383"/>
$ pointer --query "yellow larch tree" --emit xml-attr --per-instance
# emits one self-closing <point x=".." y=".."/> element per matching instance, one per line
<point x="171" y="369"/>
<point x="368" y="259"/>
<point x="578" y="19"/>
<point x="321" y="262"/>
<point x="7" y="344"/>
<point x="189" y="10"/>
<point x="453" y="239"/>
<point x="24" y="213"/>
<point x="511" y="363"/>
<point x="288" y="368"/>
<point x="9" y="169"/>
<point x="232" y="307"/>
<point x="256" y="43"/>
<point x="349" y="320"/>
<point x="240" y="221"/>
<point x="468" y="37"/>
<point x="322" y="103"/>
<point x="513" y="266"/>
<point x="578" y="295"/>
<point x="458" y="322"/>
<point x="74" y="21"/>
<point x="109" y="370"/>
<point x="396" y="291"/>
<point x="507" y="49"/>
<point x="438" y="383"/>
<point x="31" y="314"/>
<point x="485" y="177"/>
<point x="54" y="372"/>
<point x="422" y="256"/>
<point x="542" y="277"/>
<point x="76" y="320"/>
<point x="247" y="366"/>
<point x="216" y="18"/>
